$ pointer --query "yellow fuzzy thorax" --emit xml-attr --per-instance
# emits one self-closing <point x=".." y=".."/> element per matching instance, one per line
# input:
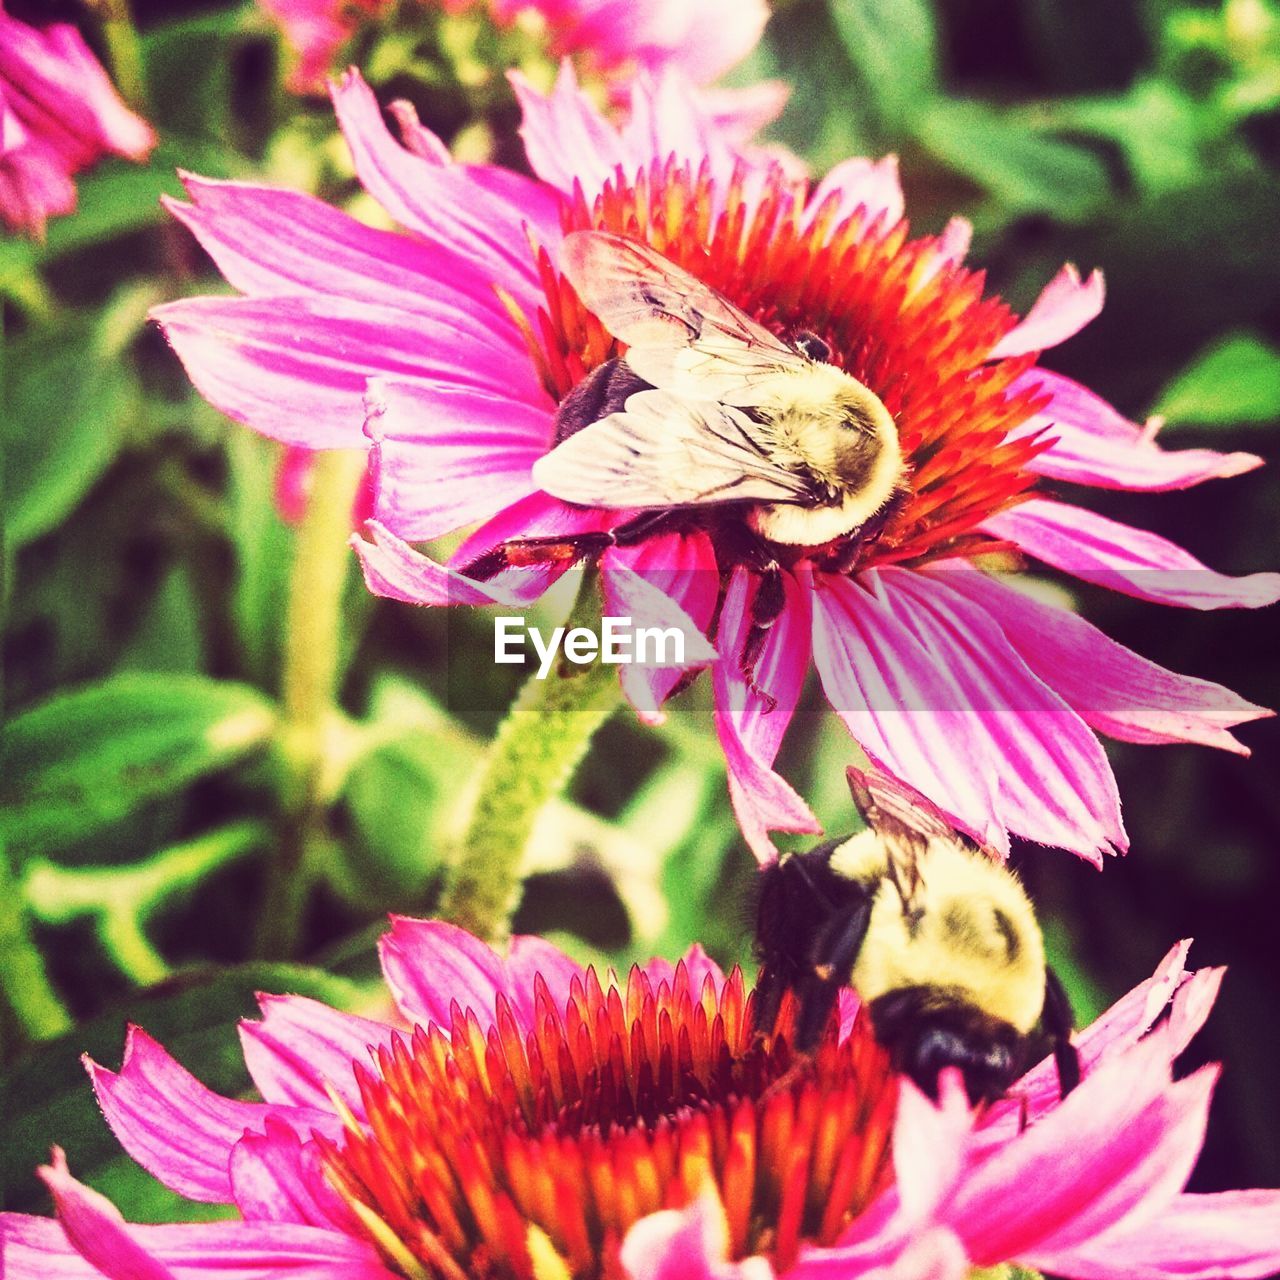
<point x="808" y="413"/>
<point x="972" y="934"/>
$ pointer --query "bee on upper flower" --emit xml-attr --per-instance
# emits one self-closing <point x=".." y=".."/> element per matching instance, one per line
<point x="571" y="366"/>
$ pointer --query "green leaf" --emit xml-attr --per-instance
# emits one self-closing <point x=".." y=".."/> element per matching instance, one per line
<point x="168" y="637"/>
<point x="1236" y="379"/>
<point x="84" y="760"/>
<point x="66" y="407"/>
<point x="893" y="44"/>
<point x="49" y="1100"/>
<point x="1026" y="170"/>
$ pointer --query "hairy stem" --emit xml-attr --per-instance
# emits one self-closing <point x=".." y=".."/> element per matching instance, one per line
<point x="313" y="616"/>
<point x="529" y="763"/>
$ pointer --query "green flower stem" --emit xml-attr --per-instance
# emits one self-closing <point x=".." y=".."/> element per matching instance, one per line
<point x="528" y="765"/>
<point x="124" y="49"/>
<point x="313" y="617"/>
<point x="27" y="991"/>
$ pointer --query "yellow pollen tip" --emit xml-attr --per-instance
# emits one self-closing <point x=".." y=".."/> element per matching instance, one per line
<point x="548" y="1263"/>
<point x="389" y="1242"/>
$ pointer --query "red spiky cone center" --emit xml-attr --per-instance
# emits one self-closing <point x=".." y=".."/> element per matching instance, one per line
<point x="908" y="325"/>
<point x="529" y="1154"/>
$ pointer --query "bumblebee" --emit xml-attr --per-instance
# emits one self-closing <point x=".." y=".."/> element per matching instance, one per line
<point x="938" y="939"/>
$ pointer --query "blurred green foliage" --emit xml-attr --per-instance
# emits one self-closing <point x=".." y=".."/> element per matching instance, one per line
<point x="142" y="787"/>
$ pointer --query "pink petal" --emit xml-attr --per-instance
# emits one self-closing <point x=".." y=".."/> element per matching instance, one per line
<point x="302" y="1052"/>
<point x="901" y="706"/>
<point x="395" y="570"/>
<point x="1112" y="688"/>
<point x="445" y="457"/>
<point x="528" y="958"/>
<point x="38" y="1249"/>
<point x="270" y="241"/>
<point x="1055" y="782"/>
<point x="1119" y="1028"/>
<point x="277" y="1177"/>
<point x="429" y="964"/>
<point x="294" y="368"/>
<point x="1231" y="1235"/>
<point x="750" y="732"/>
<point x="1117" y="1149"/>
<point x="872" y="185"/>
<point x="1121" y="558"/>
<point x="96" y="1229"/>
<point x="566" y="139"/>
<point x="929" y="1141"/>
<point x="667" y="581"/>
<point x="1095" y="445"/>
<point x="667" y="119"/>
<point x="718" y="35"/>
<point x="740" y="113"/>
<point x="1064" y="307"/>
<point x="687" y="1244"/>
<point x="178" y="1130"/>
<point x="480" y="212"/>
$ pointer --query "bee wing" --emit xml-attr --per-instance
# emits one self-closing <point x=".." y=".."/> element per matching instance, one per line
<point x="904" y="819"/>
<point x="664" y="450"/>
<point x="681" y="335"/>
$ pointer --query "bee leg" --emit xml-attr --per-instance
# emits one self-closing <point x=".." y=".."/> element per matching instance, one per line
<point x="834" y="952"/>
<point x="766" y="609"/>
<point x="523" y="553"/>
<point x="1058" y="1022"/>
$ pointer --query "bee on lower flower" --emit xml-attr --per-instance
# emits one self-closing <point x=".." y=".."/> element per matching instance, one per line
<point x="938" y="938"/>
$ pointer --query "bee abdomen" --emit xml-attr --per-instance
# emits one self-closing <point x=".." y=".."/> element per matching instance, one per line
<point x="603" y="391"/>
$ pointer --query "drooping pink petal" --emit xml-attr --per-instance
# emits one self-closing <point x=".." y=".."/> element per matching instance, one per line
<point x="741" y="112"/>
<point x="1095" y="445"/>
<point x="1113" y="689"/>
<point x="96" y="1229"/>
<point x="276" y="1177"/>
<point x="1055" y="783"/>
<point x="294" y="368"/>
<point x="479" y="211"/>
<point x="860" y="183"/>
<point x="38" y="1249"/>
<point x="676" y="568"/>
<point x="178" y="1130"/>
<point x="751" y="728"/>
<point x="1229" y="1235"/>
<point x="687" y="1244"/>
<point x="901" y="706"/>
<point x="302" y="1051"/>
<point x="1063" y="308"/>
<point x="430" y="964"/>
<point x="392" y="568"/>
<point x="1121" y="558"/>
<point x="268" y="241"/>
<point x="445" y="457"/>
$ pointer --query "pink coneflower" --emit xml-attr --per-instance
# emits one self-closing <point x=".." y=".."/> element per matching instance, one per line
<point x="609" y="40"/>
<point x="58" y="114"/>
<point x="524" y="1118"/>
<point x="452" y="343"/>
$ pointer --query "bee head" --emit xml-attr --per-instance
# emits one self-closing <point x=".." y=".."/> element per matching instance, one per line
<point x="925" y="1032"/>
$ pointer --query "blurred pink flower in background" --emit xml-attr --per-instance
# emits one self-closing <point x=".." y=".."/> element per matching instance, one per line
<point x="614" y="39"/>
<point x="520" y="1117"/>
<point x="59" y="113"/>
<point x="448" y="345"/>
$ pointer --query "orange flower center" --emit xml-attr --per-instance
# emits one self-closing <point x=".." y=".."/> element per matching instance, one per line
<point x="531" y="1153"/>
<point x="909" y="325"/>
